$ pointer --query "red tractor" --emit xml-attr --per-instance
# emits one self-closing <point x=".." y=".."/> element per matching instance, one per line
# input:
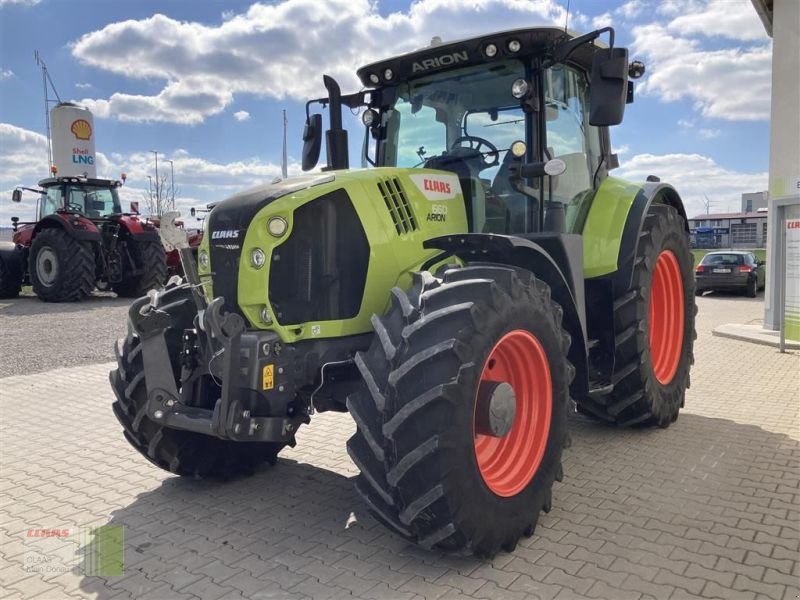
<point x="81" y="240"/>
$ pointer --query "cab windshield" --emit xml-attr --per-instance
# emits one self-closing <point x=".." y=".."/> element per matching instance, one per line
<point x="464" y="121"/>
<point x="92" y="201"/>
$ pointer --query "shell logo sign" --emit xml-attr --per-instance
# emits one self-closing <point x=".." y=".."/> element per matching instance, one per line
<point x="81" y="129"/>
<point x="72" y="128"/>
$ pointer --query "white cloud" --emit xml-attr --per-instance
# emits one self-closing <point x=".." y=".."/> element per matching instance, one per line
<point x="732" y="84"/>
<point x="6" y="74"/>
<point x="279" y="49"/>
<point x="734" y="20"/>
<point x="23" y="161"/>
<point x="695" y="176"/>
<point x="241" y="115"/>
<point x="20" y="2"/>
<point x="84" y="86"/>
<point x="631" y="9"/>
<point x="604" y="20"/>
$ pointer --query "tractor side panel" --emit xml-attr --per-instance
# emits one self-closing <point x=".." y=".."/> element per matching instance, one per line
<point x="605" y="226"/>
<point x="348" y="242"/>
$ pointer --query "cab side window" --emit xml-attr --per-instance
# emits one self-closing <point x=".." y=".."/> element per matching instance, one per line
<point x="51" y="202"/>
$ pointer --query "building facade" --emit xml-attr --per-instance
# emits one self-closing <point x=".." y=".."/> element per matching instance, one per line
<point x="729" y="230"/>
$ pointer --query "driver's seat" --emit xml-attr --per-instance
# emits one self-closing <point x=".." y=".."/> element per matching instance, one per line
<point x="471" y="186"/>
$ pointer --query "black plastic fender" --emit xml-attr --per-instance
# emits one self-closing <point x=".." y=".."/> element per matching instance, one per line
<point x="78" y="227"/>
<point x="651" y="192"/>
<point x="12" y="257"/>
<point x="556" y="259"/>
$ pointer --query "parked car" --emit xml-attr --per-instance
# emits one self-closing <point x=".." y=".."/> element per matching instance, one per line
<point x="730" y="270"/>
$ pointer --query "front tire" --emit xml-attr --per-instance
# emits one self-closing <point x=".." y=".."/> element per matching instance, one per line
<point x="151" y="260"/>
<point x="430" y="470"/>
<point x="61" y="268"/>
<point x="653" y="329"/>
<point x="181" y="452"/>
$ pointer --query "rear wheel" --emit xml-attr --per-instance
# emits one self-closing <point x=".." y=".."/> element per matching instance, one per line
<point x="653" y="329"/>
<point x="61" y="268"/>
<point x="180" y="452"/>
<point x="752" y="288"/>
<point x="150" y="260"/>
<point x="461" y="421"/>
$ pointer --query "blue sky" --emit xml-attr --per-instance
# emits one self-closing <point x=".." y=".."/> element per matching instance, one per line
<point x="204" y="82"/>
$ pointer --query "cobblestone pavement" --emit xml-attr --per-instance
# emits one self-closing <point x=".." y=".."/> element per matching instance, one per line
<point x="707" y="508"/>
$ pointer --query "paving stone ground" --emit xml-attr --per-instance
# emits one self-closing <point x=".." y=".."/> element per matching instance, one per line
<point x="707" y="508"/>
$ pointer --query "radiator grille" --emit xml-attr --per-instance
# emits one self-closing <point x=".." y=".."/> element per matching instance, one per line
<point x="397" y="203"/>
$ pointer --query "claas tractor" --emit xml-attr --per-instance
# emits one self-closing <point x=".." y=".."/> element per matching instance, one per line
<point x="80" y="240"/>
<point x="483" y="278"/>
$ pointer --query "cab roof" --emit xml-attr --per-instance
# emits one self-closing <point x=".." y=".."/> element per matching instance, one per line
<point x="448" y="55"/>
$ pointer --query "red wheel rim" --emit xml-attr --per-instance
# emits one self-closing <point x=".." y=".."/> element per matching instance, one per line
<point x="666" y="317"/>
<point x="507" y="464"/>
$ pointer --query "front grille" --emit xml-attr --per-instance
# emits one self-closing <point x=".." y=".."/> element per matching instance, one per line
<point x="225" y="250"/>
<point x="397" y="203"/>
<point x="319" y="272"/>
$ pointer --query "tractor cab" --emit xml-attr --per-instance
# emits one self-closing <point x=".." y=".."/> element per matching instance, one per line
<point x="91" y="198"/>
<point x="500" y="113"/>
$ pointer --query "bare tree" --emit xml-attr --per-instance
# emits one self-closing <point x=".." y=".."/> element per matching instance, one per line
<point x="160" y="196"/>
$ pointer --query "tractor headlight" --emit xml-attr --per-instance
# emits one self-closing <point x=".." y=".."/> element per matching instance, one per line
<point x="519" y="89"/>
<point x="203" y="258"/>
<point x="258" y="258"/>
<point x="514" y="46"/>
<point x="388" y="74"/>
<point x="374" y="78"/>
<point x="518" y="149"/>
<point x="490" y="50"/>
<point x="277" y="226"/>
<point x="369" y="117"/>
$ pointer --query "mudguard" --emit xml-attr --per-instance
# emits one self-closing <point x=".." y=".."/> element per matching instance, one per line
<point x="555" y="259"/>
<point x="78" y="227"/>
<point x="138" y="230"/>
<point x="650" y="193"/>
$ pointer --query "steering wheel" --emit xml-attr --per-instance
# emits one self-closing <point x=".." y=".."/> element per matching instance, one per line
<point x="490" y="156"/>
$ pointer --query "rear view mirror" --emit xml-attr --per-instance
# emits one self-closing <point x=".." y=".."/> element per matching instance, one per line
<point x="312" y="141"/>
<point x="609" y="86"/>
<point x="192" y="211"/>
<point x="135" y="208"/>
<point x="16" y="196"/>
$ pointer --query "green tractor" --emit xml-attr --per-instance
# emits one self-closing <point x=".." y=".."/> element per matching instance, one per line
<point x="459" y="299"/>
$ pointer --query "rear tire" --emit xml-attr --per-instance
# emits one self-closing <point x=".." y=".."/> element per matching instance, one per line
<point x="181" y="452"/>
<point x="425" y="472"/>
<point x="61" y="268"/>
<point x="653" y="353"/>
<point x="151" y="259"/>
<point x="752" y="288"/>
<point x="10" y="282"/>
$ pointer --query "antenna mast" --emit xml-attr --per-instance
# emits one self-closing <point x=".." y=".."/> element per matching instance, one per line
<point x="284" y="165"/>
<point x="45" y="80"/>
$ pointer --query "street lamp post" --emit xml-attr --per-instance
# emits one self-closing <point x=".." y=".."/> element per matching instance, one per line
<point x="158" y="194"/>
<point x="172" y="181"/>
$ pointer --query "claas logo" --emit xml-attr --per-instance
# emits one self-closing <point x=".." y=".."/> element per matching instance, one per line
<point x="81" y="129"/>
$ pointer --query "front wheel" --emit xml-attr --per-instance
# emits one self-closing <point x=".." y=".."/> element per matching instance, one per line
<point x="462" y="418"/>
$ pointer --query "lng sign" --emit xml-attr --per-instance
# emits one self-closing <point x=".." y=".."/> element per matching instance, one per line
<point x="73" y="141"/>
